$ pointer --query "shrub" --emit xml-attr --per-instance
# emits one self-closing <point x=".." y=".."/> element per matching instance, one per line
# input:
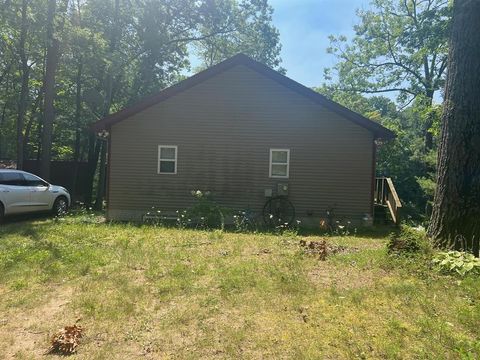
<point x="206" y="213"/>
<point x="244" y="221"/>
<point x="457" y="261"/>
<point x="408" y="240"/>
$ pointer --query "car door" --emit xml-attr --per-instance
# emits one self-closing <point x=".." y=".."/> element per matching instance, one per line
<point x="15" y="193"/>
<point x="40" y="197"/>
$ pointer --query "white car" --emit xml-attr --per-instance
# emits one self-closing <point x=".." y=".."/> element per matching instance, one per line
<point x="22" y="192"/>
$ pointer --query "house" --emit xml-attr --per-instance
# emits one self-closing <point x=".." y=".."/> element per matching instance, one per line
<point x="245" y="133"/>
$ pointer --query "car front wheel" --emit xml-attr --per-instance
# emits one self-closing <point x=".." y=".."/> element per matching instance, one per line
<point x="60" y="206"/>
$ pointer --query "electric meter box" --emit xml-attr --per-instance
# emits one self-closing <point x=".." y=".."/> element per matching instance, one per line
<point x="282" y="189"/>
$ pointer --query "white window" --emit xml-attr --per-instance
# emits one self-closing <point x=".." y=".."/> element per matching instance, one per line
<point x="279" y="163"/>
<point x="167" y="159"/>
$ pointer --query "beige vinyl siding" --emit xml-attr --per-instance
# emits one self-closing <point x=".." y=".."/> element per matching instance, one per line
<point x="224" y="129"/>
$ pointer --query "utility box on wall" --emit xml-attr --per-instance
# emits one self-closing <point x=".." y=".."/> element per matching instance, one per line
<point x="282" y="189"/>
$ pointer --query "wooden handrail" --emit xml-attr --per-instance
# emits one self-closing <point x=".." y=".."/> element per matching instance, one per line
<point x="398" y="203"/>
<point x="386" y="195"/>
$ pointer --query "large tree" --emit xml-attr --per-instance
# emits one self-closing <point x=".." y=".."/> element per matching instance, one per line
<point x="53" y="33"/>
<point x="64" y="67"/>
<point x="244" y="26"/>
<point x="20" y="49"/>
<point x="399" y="49"/>
<point x="455" y="219"/>
<point x="400" y="46"/>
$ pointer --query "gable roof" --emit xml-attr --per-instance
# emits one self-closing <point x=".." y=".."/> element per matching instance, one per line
<point x="240" y="59"/>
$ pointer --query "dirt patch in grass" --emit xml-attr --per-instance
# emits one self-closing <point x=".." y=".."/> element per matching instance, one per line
<point x="29" y="331"/>
<point x="323" y="248"/>
<point x="153" y="293"/>
<point x="137" y="275"/>
<point x="327" y="275"/>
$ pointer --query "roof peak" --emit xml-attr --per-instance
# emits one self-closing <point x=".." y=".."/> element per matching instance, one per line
<point x="242" y="59"/>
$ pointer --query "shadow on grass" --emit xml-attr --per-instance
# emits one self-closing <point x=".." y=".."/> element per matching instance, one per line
<point x="23" y="225"/>
<point x="374" y="232"/>
<point x="21" y="218"/>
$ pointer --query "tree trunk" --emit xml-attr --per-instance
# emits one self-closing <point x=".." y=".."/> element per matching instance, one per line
<point x="22" y="107"/>
<point x="53" y="49"/>
<point x="28" y="127"/>
<point x="78" y="114"/>
<point x="108" y="104"/>
<point x="455" y="221"/>
<point x="2" y="119"/>
<point x="25" y="71"/>
<point x="93" y="153"/>
<point x="428" y="145"/>
<point x="101" y="177"/>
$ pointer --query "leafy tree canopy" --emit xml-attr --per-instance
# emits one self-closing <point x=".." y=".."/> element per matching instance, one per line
<point x="399" y="46"/>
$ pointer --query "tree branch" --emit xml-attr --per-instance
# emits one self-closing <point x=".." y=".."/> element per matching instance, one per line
<point x="368" y="91"/>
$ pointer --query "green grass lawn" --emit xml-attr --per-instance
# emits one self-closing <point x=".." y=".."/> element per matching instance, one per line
<point x="146" y="292"/>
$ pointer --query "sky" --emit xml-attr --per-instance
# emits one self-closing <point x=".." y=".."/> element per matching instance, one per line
<point x="304" y="27"/>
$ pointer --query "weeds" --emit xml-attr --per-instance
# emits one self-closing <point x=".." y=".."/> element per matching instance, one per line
<point x="408" y="240"/>
<point x="458" y="262"/>
<point x="181" y="293"/>
<point x="244" y="221"/>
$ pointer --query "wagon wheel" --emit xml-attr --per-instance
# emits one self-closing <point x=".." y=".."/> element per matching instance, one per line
<point x="278" y="211"/>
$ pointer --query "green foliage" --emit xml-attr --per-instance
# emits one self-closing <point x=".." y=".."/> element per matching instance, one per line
<point x="111" y="59"/>
<point x="244" y="221"/>
<point x="403" y="159"/>
<point x="411" y="166"/>
<point x="247" y="28"/>
<point x="398" y="46"/>
<point x="206" y="213"/>
<point x="408" y="240"/>
<point x="458" y="262"/>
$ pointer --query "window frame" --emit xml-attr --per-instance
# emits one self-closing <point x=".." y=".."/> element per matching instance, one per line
<point x="160" y="159"/>
<point x="271" y="163"/>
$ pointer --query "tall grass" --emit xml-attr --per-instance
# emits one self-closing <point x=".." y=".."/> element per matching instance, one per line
<point x="169" y="293"/>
